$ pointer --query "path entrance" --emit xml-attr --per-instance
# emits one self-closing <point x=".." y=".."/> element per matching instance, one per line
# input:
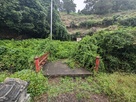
<point x="59" y="68"/>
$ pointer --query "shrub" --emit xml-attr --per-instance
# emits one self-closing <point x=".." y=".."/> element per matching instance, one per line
<point x="38" y="83"/>
<point x="116" y="49"/>
<point x="14" y="59"/>
<point x="89" y="24"/>
<point x="128" y="22"/>
<point x="86" y="52"/>
<point x="104" y="22"/>
<point x="18" y="55"/>
<point x="107" y="22"/>
<point x="3" y="76"/>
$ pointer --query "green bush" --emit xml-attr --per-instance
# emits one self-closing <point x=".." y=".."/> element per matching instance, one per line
<point x="104" y="22"/>
<point x="38" y="83"/>
<point x="107" y="22"/>
<point x="18" y="55"/>
<point x="59" y="49"/>
<point x="128" y="22"/>
<point x="116" y="49"/>
<point x="86" y="52"/>
<point x="89" y="24"/>
<point x="3" y="76"/>
<point x="15" y="59"/>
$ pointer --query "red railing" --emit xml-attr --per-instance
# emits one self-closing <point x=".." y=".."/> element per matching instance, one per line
<point x="40" y="61"/>
<point x="97" y="63"/>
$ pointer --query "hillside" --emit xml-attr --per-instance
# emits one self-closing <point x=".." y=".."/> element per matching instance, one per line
<point x="79" y="23"/>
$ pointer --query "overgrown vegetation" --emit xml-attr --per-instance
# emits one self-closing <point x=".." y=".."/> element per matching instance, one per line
<point x="18" y="55"/>
<point x="128" y="22"/>
<point x="79" y="25"/>
<point x="119" y="87"/>
<point x="36" y="85"/>
<point x="116" y="48"/>
<point x="104" y="23"/>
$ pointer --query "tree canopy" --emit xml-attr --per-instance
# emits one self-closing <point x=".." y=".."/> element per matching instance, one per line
<point x="31" y="18"/>
<point x="66" y="5"/>
<point x="107" y="6"/>
<point x="69" y="6"/>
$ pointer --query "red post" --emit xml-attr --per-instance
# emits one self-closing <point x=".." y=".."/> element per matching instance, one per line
<point x="36" y="61"/>
<point x="97" y="63"/>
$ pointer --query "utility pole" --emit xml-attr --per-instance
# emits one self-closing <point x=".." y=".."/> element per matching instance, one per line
<point x="51" y="22"/>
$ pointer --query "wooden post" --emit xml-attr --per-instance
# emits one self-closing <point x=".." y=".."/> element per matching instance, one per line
<point x="97" y="63"/>
<point x="40" y="61"/>
<point x="36" y="61"/>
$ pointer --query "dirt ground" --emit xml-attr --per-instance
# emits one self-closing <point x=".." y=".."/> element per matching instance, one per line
<point x="71" y="97"/>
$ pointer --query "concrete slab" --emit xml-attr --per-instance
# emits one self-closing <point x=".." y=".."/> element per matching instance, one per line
<point x="59" y="68"/>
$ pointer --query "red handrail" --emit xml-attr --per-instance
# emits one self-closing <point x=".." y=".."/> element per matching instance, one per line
<point x="97" y="63"/>
<point x="40" y="61"/>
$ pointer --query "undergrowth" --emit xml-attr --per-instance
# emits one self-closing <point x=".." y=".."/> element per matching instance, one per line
<point x="18" y="55"/>
<point x="119" y="87"/>
<point x="115" y="48"/>
<point x="37" y="82"/>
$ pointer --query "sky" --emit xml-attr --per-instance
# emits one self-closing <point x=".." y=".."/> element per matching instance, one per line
<point x="80" y="4"/>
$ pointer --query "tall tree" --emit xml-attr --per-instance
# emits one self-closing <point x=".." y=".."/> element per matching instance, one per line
<point x="89" y="8"/>
<point x="30" y="18"/>
<point x="97" y="6"/>
<point x="123" y="5"/>
<point x="69" y="6"/>
<point x="105" y="6"/>
<point x="59" y="5"/>
<point x="102" y="7"/>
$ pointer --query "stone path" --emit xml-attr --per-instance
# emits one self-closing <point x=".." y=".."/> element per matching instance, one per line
<point x="59" y="68"/>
